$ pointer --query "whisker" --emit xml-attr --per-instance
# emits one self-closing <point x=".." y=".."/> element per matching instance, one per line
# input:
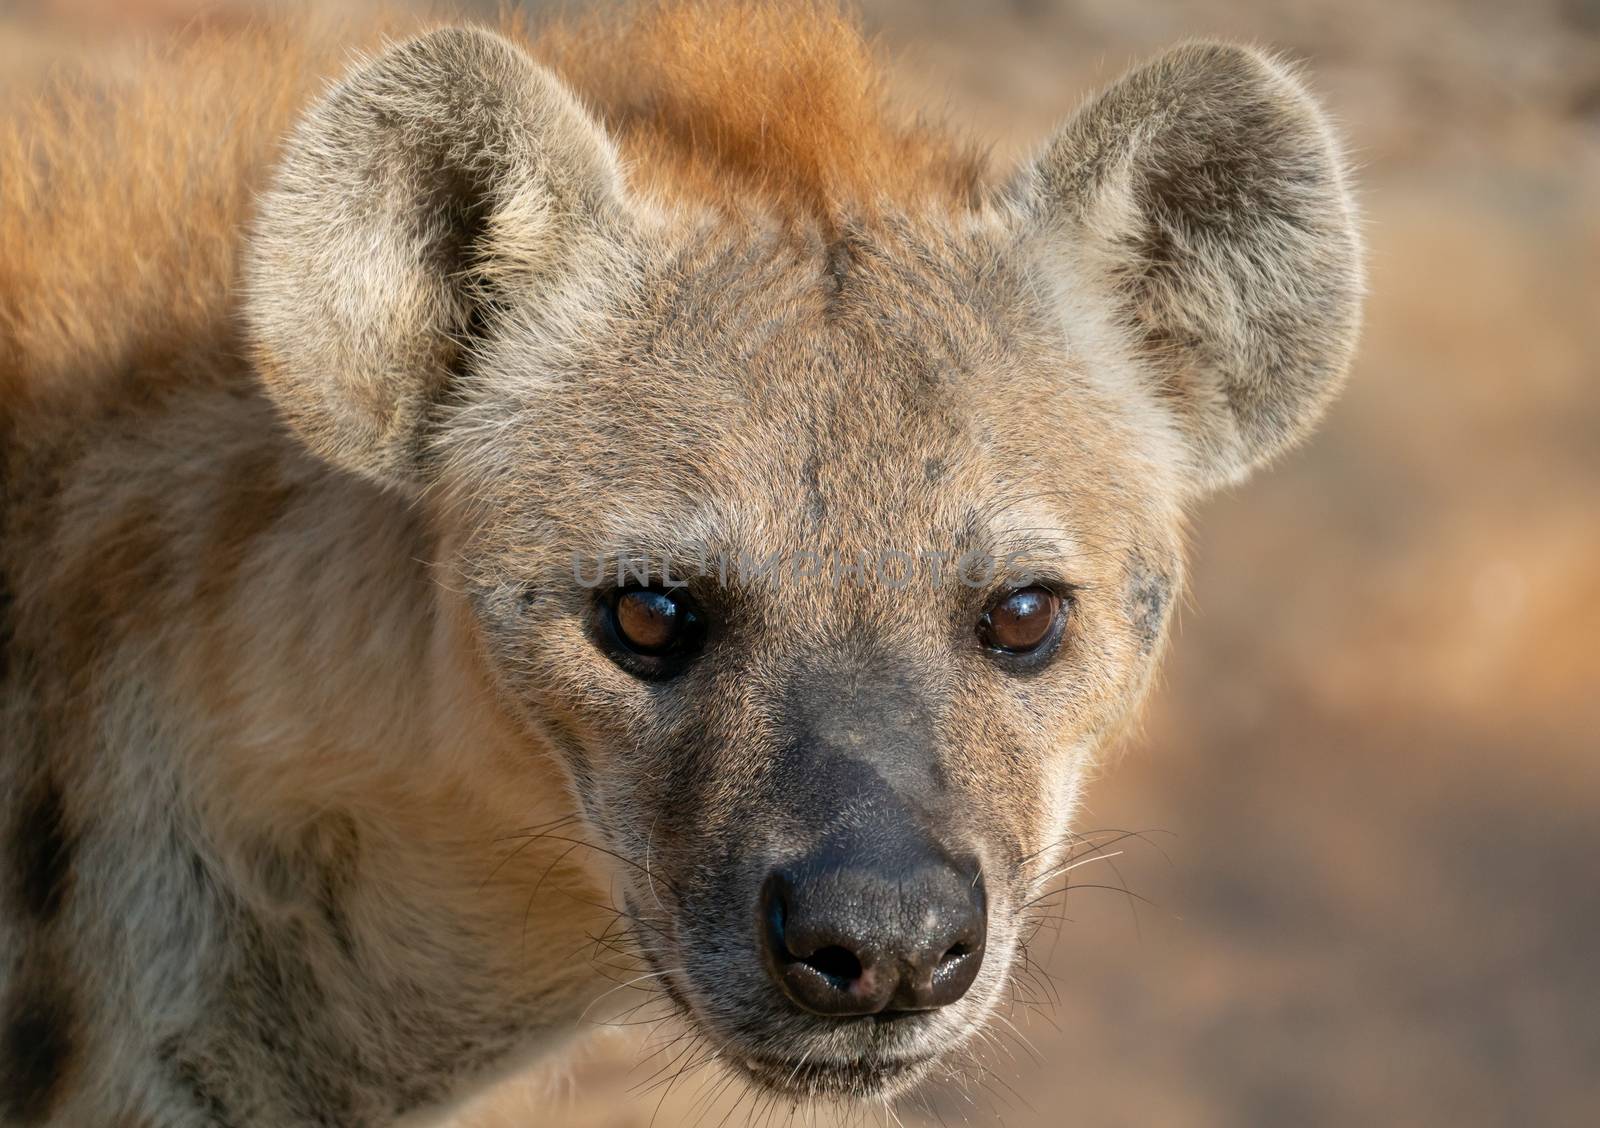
<point x="623" y="858"/>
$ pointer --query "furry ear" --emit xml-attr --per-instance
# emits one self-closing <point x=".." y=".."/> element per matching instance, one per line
<point x="1204" y="196"/>
<point x="447" y="170"/>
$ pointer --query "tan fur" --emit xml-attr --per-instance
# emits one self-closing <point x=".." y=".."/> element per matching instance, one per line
<point x="122" y="201"/>
<point x="748" y="102"/>
<point x="326" y="798"/>
<point x="125" y="192"/>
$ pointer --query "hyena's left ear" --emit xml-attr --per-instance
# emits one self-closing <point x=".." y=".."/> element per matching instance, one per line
<point x="427" y="185"/>
<point x="1204" y="197"/>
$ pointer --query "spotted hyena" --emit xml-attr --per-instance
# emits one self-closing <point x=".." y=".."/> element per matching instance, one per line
<point x="614" y="495"/>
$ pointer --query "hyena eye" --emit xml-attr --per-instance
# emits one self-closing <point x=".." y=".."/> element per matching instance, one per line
<point x="1023" y="621"/>
<point x="652" y="631"/>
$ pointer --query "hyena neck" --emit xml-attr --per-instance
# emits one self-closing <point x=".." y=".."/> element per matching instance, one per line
<point x="305" y="880"/>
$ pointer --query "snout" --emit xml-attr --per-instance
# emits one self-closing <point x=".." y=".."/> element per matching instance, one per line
<point x="863" y="931"/>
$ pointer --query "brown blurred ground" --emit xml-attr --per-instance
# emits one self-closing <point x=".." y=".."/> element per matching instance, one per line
<point x="1375" y="760"/>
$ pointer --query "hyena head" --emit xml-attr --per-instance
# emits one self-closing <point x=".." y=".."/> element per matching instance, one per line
<point x="822" y="556"/>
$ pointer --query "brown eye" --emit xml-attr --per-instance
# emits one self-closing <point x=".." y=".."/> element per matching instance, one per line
<point x="660" y="627"/>
<point x="1021" y="621"/>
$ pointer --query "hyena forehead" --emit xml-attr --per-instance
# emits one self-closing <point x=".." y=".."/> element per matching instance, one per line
<point x="894" y="384"/>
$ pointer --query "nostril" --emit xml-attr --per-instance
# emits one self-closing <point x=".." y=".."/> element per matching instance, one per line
<point x="808" y="954"/>
<point x="954" y="952"/>
<point x="839" y="964"/>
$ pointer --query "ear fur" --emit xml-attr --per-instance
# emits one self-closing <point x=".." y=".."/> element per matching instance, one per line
<point x="1204" y="196"/>
<point x="449" y="168"/>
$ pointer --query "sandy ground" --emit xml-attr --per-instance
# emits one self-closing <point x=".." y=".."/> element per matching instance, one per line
<point x="1372" y="775"/>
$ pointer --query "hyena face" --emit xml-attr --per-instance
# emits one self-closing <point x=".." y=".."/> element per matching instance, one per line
<point x="822" y="557"/>
<point x="824" y="632"/>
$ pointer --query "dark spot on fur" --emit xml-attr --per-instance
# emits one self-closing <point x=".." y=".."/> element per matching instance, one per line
<point x="336" y="849"/>
<point x="811" y="476"/>
<point x="316" y="873"/>
<point x="6" y="599"/>
<point x="933" y="471"/>
<point x="1149" y="591"/>
<point x="837" y="265"/>
<point x="5" y="616"/>
<point x="198" y="872"/>
<point x="111" y="588"/>
<point x="35" y="1050"/>
<point x="274" y="996"/>
<point x="257" y="499"/>
<point x="41" y="852"/>
<point x="189" y="1077"/>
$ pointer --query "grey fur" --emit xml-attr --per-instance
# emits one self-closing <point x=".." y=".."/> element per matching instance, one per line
<point x="1206" y="196"/>
<point x="429" y="179"/>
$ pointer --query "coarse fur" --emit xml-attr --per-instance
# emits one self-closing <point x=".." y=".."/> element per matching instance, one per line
<point x="323" y="801"/>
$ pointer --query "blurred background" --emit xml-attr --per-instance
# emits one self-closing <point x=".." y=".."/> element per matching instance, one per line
<point x="1368" y="887"/>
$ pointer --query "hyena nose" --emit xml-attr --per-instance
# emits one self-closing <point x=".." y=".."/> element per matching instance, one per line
<point x="844" y="933"/>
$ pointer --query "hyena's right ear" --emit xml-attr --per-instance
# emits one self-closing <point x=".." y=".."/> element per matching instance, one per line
<point x="447" y="170"/>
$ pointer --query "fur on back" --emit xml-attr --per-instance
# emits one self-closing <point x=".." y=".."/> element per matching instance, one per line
<point x="126" y="189"/>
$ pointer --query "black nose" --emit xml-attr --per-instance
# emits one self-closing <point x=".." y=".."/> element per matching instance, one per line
<point x="851" y="932"/>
